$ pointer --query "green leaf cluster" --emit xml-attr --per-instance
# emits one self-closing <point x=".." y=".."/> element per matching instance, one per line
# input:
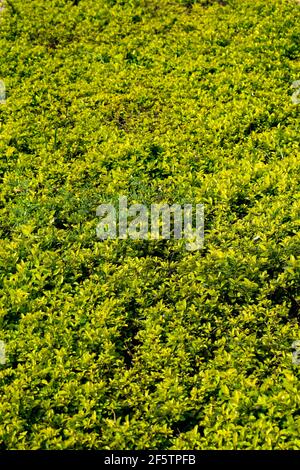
<point x="123" y="344"/>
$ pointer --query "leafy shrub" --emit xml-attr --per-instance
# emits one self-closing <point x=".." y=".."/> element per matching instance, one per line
<point x="130" y="344"/>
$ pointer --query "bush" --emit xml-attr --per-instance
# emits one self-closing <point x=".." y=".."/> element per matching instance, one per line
<point x="137" y="345"/>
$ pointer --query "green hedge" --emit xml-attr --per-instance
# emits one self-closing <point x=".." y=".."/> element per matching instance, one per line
<point x="127" y="344"/>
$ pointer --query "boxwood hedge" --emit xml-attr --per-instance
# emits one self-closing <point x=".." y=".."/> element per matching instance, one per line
<point x="123" y="344"/>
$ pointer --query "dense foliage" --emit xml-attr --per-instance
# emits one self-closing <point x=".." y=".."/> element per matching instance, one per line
<point x="123" y="344"/>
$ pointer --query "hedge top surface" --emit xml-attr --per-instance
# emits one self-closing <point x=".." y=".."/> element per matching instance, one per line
<point x="127" y="344"/>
